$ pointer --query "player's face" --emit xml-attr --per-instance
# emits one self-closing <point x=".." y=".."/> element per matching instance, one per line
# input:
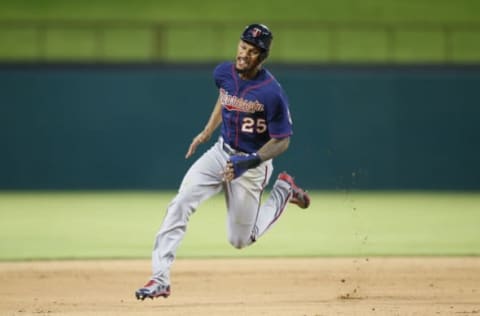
<point x="248" y="58"/>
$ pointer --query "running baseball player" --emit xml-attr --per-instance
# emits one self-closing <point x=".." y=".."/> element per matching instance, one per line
<point x="253" y="112"/>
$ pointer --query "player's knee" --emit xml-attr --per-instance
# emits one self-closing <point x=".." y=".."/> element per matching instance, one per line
<point x="239" y="243"/>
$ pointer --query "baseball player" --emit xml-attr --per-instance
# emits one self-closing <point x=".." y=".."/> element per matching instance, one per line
<point x="253" y="112"/>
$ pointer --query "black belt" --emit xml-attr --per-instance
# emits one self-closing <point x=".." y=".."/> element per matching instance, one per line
<point x="229" y="150"/>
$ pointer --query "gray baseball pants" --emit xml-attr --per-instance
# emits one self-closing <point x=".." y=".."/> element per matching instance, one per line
<point x="247" y="218"/>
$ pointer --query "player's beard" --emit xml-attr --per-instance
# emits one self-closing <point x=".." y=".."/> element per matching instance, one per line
<point x="250" y="69"/>
<point x="242" y="71"/>
<point x="247" y="73"/>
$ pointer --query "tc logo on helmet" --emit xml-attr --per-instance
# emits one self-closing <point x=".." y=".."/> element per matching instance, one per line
<point x="256" y="32"/>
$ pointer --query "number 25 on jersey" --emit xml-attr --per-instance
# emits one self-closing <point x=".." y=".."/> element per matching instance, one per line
<point x="251" y="125"/>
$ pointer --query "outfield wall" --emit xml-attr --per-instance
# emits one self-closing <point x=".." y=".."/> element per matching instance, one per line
<point x="129" y="126"/>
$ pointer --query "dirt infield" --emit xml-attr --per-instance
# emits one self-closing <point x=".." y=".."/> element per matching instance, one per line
<point x="320" y="286"/>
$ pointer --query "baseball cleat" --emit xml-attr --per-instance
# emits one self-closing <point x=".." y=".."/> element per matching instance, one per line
<point x="153" y="289"/>
<point x="299" y="196"/>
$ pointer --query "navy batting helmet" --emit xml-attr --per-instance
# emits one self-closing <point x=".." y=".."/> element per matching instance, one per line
<point x="258" y="35"/>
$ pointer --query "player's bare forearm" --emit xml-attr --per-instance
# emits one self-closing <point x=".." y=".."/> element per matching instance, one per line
<point x="215" y="119"/>
<point x="273" y="148"/>
<point x="212" y="124"/>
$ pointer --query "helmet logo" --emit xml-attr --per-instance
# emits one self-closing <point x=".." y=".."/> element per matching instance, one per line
<point x="256" y="32"/>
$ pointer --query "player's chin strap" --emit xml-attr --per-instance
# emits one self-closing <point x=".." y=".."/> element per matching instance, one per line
<point x="242" y="163"/>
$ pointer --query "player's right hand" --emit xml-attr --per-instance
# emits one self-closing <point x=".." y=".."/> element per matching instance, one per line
<point x="200" y="138"/>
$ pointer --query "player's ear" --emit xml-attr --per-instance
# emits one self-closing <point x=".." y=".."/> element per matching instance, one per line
<point x="263" y="56"/>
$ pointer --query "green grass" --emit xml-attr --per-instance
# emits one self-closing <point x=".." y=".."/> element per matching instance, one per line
<point x="178" y="42"/>
<point x="61" y="225"/>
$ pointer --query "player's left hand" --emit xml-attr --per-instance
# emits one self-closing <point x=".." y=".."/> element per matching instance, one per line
<point x="239" y="164"/>
<point x="229" y="172"/>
